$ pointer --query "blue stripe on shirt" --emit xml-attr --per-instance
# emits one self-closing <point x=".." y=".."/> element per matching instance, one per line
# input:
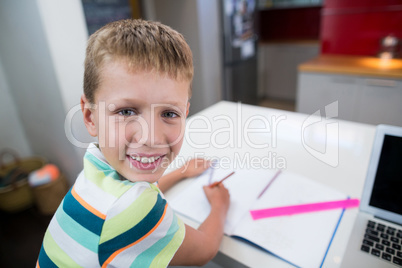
<point x="44" y="260"/>
<point x="107" y="248"/>
<point x="101" y="166"/>
<point x="81" y="215"/>
<point x="76" y="231"/>
<point x="147" y="257"/>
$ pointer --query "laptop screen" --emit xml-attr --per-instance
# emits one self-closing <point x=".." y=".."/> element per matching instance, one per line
<point x="387" y="188"/>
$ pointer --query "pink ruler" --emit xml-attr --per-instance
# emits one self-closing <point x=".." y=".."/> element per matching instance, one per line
<point x="304" y="208"/>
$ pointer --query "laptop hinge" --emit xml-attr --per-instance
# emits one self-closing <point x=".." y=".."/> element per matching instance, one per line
<point x="388" y="220"/>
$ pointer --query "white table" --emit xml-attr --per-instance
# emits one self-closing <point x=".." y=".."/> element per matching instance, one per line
<point x="233" y="131"/>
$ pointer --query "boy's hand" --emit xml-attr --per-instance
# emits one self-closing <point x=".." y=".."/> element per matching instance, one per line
<point x="195" y="167"/>
<point x="218" y="196"/>
<point x="191" y="168"/>
<point x="193" y="250"/>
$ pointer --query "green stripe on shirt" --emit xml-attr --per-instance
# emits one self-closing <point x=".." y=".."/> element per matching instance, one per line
<point x="153" y="256"/>
<point x="103" y="181"/>
<point x="76" y="231"/>
<point x="165" y="256"/>
<point x="56" y="254"/>
<point x="129" y="217"/>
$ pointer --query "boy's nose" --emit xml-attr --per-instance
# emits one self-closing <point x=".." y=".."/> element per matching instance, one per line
<point x="149" y="132"/>
<point x="157" y="135"/>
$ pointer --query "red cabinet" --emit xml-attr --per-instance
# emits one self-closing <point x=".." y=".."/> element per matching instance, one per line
<point x="356" y="27"/>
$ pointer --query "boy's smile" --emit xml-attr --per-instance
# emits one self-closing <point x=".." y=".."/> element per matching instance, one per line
<point x="145" y="162"/>
<point x="139" y="119"/>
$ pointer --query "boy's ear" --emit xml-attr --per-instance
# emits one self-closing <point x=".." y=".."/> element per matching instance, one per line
<point x="188" y="108"/>
<point x="88" y="113"/>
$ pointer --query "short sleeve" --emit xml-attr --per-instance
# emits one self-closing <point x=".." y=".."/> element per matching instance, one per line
<point x="140" y="230"/>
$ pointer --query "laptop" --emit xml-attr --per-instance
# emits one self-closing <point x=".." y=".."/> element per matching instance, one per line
<point x="376" y="237"/>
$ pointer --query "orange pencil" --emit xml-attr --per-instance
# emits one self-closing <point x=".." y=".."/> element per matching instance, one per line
<point x="219" y="182"/>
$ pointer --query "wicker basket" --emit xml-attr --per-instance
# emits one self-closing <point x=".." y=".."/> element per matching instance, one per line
<point x="47" y="197"/>
<point x="17" y="195"/>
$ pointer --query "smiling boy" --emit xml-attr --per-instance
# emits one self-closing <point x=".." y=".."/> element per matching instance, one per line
<point x="137" y="86"/>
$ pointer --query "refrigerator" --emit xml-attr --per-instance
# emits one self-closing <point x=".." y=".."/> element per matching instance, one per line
<point x="239" y="50"/>
<point x="222" y="36"/>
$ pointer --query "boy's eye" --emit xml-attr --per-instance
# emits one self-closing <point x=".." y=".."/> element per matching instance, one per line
<point x="170" y="114"/>
<point x="126" y="112"/>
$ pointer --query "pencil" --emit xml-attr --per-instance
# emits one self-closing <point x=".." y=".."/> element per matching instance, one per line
<point x="269" y="184"/>
<point x="219" y="182"/>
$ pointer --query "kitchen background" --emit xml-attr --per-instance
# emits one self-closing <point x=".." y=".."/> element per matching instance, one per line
<point x="247" y="51"/>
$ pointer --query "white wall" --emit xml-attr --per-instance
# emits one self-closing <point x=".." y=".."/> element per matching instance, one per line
<point x="66" y="32"/>
<point x="42" y="48"/>
<point x="12" y="134"/>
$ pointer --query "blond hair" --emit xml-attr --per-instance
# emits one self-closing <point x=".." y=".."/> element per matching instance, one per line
<point x="143" y="45"/>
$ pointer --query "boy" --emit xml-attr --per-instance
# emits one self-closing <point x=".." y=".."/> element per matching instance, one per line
<point x="137" y="85"/>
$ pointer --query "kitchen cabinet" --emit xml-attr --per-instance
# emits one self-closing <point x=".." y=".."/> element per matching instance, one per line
<point x="366" y="89"/>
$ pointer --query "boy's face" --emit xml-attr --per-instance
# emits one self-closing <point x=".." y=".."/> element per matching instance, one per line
<point x="139" y="119"/>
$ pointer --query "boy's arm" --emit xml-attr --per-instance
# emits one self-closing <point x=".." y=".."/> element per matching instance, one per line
<point x="192" y="168"/>
<point x="170" y="179"/>
<point x="201" y="245"/>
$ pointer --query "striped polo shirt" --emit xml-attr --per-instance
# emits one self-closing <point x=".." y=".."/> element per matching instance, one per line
<point x="104" y="221"/>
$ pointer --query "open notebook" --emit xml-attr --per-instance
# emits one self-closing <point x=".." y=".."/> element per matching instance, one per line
<point x="301" y="240"/>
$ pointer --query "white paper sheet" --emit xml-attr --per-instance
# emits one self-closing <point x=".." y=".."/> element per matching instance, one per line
<point x="299" y="239"/>
<point x="243" y="187"/>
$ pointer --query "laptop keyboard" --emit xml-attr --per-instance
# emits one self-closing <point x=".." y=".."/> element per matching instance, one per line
<point x="384" y="242"/>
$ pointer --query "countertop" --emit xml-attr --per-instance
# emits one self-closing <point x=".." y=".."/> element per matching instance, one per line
<point x="354" y="65"/>
<point x="283" y="132"/>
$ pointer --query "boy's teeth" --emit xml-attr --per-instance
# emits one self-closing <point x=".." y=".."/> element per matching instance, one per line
<point x="144" y="159"/>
